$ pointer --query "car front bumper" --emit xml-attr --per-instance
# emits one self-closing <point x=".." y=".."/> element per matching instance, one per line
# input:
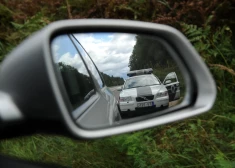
<point x="132" y="105"/>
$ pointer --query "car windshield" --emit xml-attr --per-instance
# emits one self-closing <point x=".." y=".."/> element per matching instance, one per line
<point x="141" y="81"/>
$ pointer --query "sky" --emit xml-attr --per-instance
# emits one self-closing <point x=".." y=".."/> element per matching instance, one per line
<point x="109" y="51"/>
<point x="64" y="51"/>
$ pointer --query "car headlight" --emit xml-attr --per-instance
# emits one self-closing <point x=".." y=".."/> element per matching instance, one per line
<point x="162" y="94"/>
<point x="125" y="99"/>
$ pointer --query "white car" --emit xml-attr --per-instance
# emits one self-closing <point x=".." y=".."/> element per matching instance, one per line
<point x="144" y="91"/>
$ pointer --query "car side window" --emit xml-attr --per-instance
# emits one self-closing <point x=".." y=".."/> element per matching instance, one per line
<point x="89" y="62"/>
<point x="172" y="77"/>
<point x="76" y="79"/>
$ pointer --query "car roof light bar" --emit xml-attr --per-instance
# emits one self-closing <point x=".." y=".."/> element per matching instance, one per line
<point x="140" y="72"/>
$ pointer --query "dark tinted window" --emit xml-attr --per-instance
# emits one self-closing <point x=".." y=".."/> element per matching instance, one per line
<point x="75" y="76"/>
<point x="89" y="62"/>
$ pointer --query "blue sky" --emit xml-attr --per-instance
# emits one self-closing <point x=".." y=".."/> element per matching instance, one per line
<point x="67" y="54"/>
<point x="102" y="36"/>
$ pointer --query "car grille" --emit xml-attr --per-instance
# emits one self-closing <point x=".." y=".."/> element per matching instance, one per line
<point x="144" y="98"/>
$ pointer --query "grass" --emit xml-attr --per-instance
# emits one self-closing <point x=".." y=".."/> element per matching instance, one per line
<point x="66" y="152"/>
<point x="203" y="141"/>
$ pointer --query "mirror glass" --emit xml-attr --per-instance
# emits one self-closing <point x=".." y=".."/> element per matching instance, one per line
<point x="117" y="78"/>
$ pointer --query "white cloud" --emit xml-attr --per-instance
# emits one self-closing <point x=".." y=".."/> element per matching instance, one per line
<point x="55" y="49"/>
<point x="109" y="51"/>
<point x="74" y="61"/>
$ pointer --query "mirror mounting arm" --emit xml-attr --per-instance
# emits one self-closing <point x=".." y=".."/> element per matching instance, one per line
<point x="8" y="109"/>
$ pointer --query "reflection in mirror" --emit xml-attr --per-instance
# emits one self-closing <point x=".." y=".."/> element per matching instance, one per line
<point x="113" y="78"/>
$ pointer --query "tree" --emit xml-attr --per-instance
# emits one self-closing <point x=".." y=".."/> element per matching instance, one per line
<point x="77" y="85"/>
<point x="149" y="52"/>
<point x="111" y="80"/>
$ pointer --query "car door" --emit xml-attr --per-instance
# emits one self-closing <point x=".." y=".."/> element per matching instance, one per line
<point x="173" y="86"/>
<point x="109" y="107"/>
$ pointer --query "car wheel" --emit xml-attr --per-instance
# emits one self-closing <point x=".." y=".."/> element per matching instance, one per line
<point x="119" y="109"/>
<point x="123" y="115"/>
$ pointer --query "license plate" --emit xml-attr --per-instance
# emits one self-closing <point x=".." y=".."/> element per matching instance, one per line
<point x="147" y="104"/>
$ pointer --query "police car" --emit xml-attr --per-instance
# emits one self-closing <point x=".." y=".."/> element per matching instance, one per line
<point x="144" y="91"/>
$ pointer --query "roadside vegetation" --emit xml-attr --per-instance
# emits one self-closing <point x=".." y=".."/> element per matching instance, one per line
<point x="204" y="141"/>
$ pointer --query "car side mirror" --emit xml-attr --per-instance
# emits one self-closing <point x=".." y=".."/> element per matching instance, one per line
<point x="167" y="82"/>
<point x="120" y="88"/>
<point x="57" y="80"/>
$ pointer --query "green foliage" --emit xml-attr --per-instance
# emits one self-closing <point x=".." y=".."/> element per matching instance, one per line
<point x="111" y="80"/>
<point x="24" y="30"/>
<point x="21" y="31"/>
<point x="149" y="52"/>
<point x="4" y="49"/>
<point x="222" y="162"/>
<point x="81" y="5"/>
<point x="215" y="47"/>
<point x="205" y="141"/>
<point x="5" y="15"/>
<point x="66" y="152"/>
<point x="64" y="68"/>
<point x="6" y="18"/>
<point x="137" y="146"/>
